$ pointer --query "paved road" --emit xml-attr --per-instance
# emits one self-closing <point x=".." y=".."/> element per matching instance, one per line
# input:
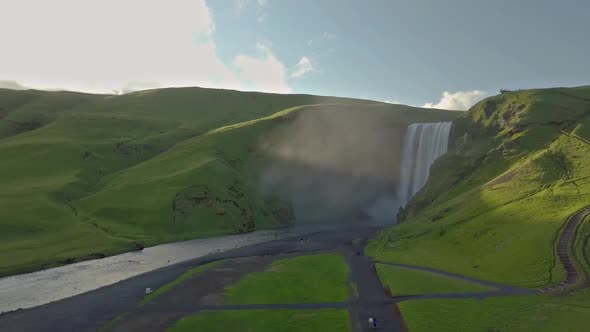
<point x="372" y="301"/>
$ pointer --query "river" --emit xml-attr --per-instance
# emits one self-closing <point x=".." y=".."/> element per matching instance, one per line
<point x="41" y="287"/>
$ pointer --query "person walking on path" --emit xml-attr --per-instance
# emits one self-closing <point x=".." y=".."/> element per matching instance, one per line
<point x="373" y="322"/>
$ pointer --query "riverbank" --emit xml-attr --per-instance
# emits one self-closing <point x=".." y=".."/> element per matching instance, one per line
<point x="45" y="286"/>
<point x="90" y="310"/>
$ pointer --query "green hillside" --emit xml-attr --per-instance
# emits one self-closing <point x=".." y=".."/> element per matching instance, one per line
<point x="91" y="175"/>
<point x="496" y="203"/>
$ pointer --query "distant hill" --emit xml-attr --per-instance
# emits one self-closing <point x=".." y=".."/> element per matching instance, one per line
<point x="90" y="175"/>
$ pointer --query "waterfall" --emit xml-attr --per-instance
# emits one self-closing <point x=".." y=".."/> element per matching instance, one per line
<point x="424" y="143"/>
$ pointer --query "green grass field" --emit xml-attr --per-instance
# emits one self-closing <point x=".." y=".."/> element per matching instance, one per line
<point x="402" y="281"/>
<point x="336" y="320"/>
<point x="89" y="175"/>
<point x="524" y="313"/>
<point x="310" y="278"/>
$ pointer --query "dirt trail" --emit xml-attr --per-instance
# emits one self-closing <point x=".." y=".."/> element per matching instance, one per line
<point x="455" y="276"/>
<point x="203" y="289"/>
<point x="565" y="251"/>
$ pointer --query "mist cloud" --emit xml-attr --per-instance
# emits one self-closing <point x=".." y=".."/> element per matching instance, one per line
<point x="335" y="163"/>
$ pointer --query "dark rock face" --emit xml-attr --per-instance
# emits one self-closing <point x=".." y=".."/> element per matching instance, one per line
<point x="489" y="108"/>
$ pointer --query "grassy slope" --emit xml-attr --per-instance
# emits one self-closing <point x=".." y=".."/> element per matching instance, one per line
<point x="402" y="281"/>
<point x="495" y="203"/>
<point x="267" y="320"/>
<point x="91" y="174"/>
<point x="493" y="209"/>
<point x="313" y="278"/>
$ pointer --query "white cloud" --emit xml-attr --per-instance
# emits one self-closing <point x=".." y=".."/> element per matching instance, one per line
<point x="460" y="100"/>
<point x="239" y="4"/>
<point x="304" y="66"/>
<point x="309" y="43"/>
<point x="261" y="18"/>
<point x="395" y="101"/>
<point x="93" y="46"/>
<point x="328" y="35"/>
<point x="13" y="85"/>
<point x="264" y="72"/>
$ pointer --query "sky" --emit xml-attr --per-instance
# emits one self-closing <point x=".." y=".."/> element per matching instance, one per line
<point x="446" y="54"/>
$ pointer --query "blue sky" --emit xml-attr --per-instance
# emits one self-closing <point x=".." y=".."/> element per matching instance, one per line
<point x="409" y="51"/>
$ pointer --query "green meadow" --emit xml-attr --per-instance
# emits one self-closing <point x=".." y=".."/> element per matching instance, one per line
<point x="303" y="279"/>
<point x="336" y="320"/>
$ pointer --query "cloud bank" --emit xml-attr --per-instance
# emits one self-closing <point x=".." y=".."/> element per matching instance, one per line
<point x="460" y="100"/>
<point x="264" y="72"/>
<point x="94" y="46"/>
<point x="13" y="85"/>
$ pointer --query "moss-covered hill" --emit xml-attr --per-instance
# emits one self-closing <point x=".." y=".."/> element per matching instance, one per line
<point x="90" y="175"/>
<point x="494" y="205"/>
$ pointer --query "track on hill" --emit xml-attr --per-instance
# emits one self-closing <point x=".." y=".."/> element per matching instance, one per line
<point x="565" y="252"/>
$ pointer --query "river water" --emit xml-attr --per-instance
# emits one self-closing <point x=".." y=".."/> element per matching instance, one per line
<point x="41" y="287"/>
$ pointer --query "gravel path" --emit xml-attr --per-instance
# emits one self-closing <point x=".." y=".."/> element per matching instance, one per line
<point x="372" y="300"/>
<point x="565" y="249"/>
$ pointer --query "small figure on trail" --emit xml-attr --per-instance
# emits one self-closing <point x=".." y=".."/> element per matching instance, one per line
<point x="373" y="322"/>
<point x="307" y="239"/>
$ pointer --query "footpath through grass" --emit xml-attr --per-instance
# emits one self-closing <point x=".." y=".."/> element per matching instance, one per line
<point x="403" y="281"/>
<point x="303" y="279"/>
<point x="323" y="320"/>
<point x="183" y="277"/>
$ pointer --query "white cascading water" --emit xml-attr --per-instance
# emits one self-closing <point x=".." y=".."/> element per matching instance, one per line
<point x="424" y="143"/>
